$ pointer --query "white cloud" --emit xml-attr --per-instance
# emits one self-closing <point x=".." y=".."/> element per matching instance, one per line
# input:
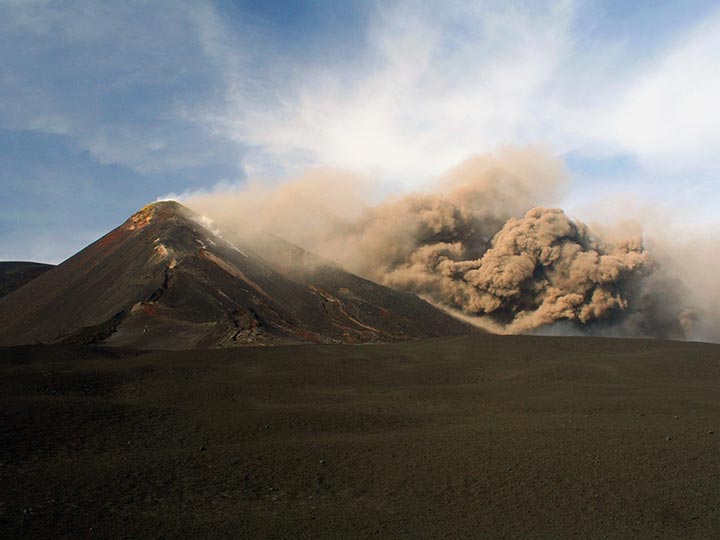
<point x="442" y="81"/>
<point x="435" y="83"/>
<point x="670" y="115"/>
<point x="114" y="79"/>
<point x="439" y="84"/>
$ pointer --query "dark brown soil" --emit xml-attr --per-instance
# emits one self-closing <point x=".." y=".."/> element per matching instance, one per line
<point x="15" y="274"/>
<point x="478" y="437"/>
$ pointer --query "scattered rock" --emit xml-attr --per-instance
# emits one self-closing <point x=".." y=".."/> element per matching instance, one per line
<point x="675" y="417"/>
<point x="322" y="462"/>
<point x="668" y="438"/>
<point x="203" y="448"/>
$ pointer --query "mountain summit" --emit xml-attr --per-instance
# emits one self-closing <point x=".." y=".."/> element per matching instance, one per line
<point x="166" y="279"/>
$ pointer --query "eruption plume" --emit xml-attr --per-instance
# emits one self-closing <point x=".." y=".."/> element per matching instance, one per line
<point x="539" y="269"/>
<point x="481" y="243"/>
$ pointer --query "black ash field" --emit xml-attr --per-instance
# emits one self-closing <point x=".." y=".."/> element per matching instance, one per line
<point x="15" y="274"/>
<point x="458" y="437"/>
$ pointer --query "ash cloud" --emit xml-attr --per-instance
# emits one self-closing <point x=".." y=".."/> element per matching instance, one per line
<point x="484" y="243"/>
<point x="539" y="269"/>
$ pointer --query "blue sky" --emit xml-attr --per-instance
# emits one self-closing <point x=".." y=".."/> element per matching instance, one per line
<point x="105" y="106"/>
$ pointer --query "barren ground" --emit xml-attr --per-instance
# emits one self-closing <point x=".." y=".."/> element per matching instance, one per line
<point x="478" y="437"/>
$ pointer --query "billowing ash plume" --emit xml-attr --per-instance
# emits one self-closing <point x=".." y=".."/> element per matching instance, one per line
<point x="481" y="244"/>
<point x="538" y="269"/>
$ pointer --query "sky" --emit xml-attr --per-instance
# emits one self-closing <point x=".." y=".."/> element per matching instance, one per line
<point x="107" y="106"/>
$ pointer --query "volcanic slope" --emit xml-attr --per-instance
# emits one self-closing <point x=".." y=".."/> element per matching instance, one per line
<point x="165" y="280"/>
<point x="15" y="274"/>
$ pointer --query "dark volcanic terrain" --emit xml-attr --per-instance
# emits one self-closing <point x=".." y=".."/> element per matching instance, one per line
<point x="476" y="437"/>
<point x="15" y="274"/>
<point x="166" y="280"/>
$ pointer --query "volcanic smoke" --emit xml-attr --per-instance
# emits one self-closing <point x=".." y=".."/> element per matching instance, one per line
<point x="484" y="243"/>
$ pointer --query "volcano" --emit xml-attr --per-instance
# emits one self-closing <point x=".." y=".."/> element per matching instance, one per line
<point x="165" y="279"/>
